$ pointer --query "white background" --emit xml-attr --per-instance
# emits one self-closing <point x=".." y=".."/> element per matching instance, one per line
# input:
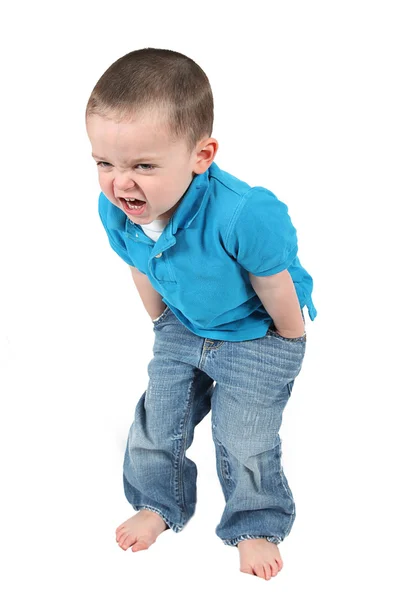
<point x="305" y="105"/>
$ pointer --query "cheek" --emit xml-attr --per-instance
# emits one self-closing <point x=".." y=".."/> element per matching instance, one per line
<point x="102" y="177"/>
<point x="105" y="181"/>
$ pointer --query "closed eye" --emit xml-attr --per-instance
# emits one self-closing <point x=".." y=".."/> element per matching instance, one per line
<point x="102" y="163"/>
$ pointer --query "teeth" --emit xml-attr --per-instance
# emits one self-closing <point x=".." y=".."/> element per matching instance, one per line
<point x="132" y="206"/>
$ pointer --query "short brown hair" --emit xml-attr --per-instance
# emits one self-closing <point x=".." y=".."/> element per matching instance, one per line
<point x="159" y="80"/>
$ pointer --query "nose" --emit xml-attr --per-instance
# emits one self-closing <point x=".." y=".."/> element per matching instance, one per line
<point x="123" y="183"/>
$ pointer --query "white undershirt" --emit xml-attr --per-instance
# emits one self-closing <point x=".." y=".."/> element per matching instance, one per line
<point x="155" y="228"/>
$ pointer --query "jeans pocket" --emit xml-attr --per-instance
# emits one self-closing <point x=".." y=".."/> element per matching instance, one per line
<point x="271" y="331"/>
<point x="160" y="318"/>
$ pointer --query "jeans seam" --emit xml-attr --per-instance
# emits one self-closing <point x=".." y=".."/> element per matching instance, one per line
<point x="274" y="539"/>
<point x="287" y="491"/>
<point x="182" y="450"/>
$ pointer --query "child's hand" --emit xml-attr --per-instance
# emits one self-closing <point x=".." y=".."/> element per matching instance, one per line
<point x="289" y="334"/>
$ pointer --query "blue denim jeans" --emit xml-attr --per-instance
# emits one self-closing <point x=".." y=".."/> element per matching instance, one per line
<point x="247" y="385"/>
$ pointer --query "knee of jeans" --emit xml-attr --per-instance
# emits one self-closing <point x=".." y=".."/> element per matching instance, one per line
<point x="248" y="449"/>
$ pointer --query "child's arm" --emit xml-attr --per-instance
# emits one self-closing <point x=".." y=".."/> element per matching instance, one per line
<point x="278" y="295"/>
<point x="150" y="297"/>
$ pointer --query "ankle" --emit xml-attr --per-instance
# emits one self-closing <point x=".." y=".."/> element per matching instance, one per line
<point x="154" y="516"/>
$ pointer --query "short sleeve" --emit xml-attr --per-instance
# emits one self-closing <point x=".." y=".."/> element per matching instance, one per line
<point x="115" y="237"/>
<point x="262" y="237"/>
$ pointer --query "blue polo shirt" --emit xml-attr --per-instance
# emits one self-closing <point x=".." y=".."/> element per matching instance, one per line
<point x="222" y="229"/>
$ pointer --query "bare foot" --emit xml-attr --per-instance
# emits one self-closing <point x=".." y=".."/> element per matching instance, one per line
<point x="260" y="557"/>
<point x="140" y="531"/>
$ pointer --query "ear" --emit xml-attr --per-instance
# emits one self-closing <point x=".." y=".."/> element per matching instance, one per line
<point x="206" y="153"/>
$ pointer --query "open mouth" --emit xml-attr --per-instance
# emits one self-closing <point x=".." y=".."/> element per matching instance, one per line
<point x="133" y="207"/>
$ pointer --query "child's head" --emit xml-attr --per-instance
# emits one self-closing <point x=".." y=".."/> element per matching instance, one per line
<point x="149" y="119"/>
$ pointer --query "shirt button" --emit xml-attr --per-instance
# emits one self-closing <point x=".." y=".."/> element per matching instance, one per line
<point x="136" y="235"/>
<point x="158" y="255"/>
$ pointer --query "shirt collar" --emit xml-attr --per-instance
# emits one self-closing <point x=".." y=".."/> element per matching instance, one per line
<point x="190" y="205"/>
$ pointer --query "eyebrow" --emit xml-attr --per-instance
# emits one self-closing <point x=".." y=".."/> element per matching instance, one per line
<point x="133" y="160"/>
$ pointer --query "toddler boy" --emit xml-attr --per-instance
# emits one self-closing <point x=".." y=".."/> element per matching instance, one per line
<point x="215" y="263"/>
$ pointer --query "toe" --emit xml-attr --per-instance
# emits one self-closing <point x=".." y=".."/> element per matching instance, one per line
<point x="246" y="569"/>
<point x="125" y="541"/>
<point x="279" y="563"/>
<point x="258" y="570"/>
<point x="119" y="530"/>
<point x="140" y="545"/>
<point x="267" y="571"/>
<point x="123" y="525"/>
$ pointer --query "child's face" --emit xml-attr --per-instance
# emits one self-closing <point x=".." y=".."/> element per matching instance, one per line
<point x="137" y="160"/>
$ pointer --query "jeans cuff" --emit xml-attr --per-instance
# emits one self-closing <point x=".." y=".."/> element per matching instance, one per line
<point x="171" y="525"/>
<point x="234" y="541"/>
